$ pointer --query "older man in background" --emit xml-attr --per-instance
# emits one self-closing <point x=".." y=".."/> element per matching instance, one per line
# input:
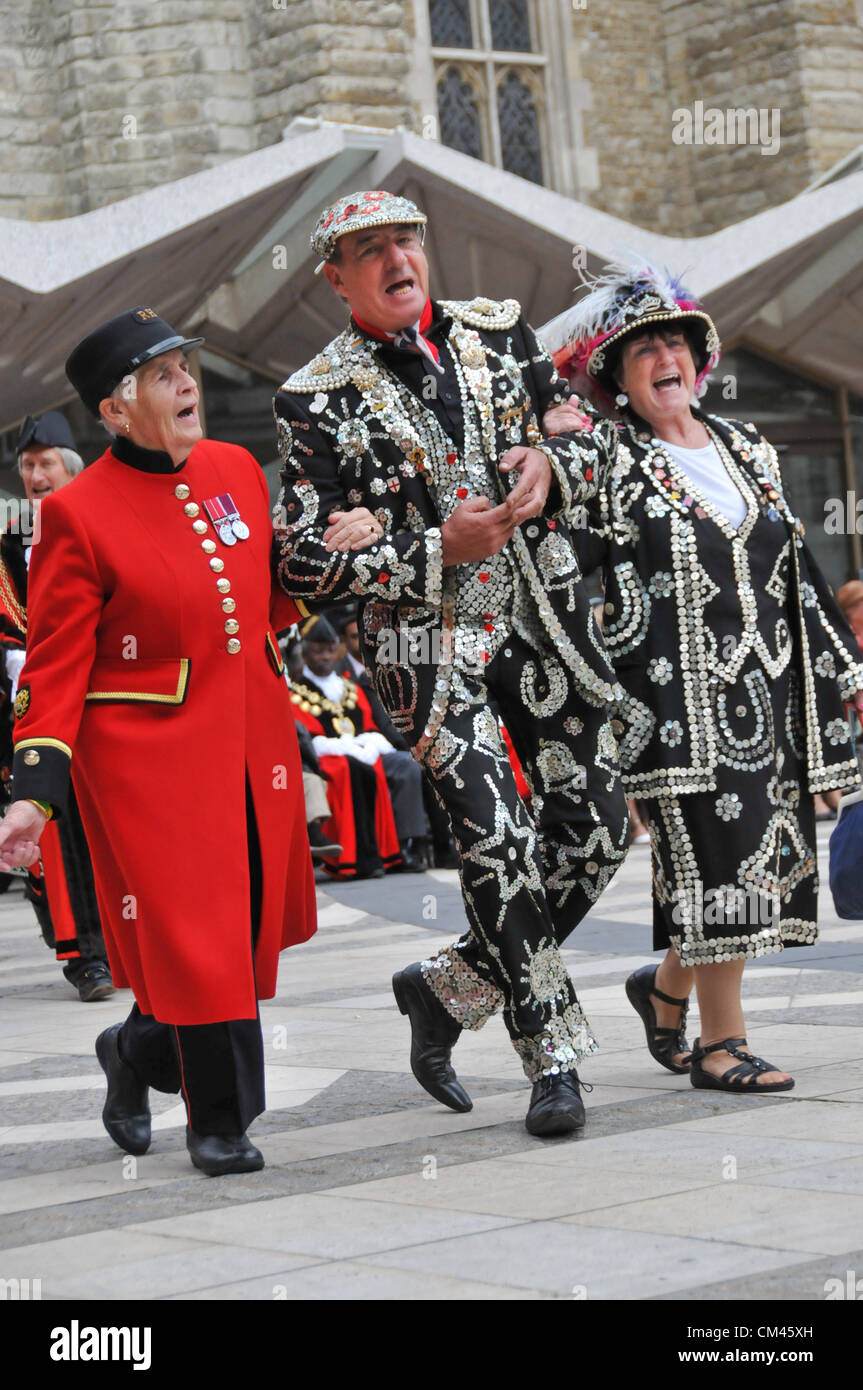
<point x="63" y="895"/>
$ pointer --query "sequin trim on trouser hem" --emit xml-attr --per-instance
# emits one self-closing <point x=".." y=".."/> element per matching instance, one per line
<point x="559" y="1047"/>
<point x="465" y="995"/>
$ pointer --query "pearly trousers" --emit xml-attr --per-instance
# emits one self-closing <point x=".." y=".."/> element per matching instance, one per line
<point x="528" y="874"/>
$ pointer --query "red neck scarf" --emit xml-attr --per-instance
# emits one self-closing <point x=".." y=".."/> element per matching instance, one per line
<point x="412" y="337"/>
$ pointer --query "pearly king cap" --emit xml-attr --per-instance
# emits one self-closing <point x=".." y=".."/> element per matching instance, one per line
<point x="356" y="211"/>
<point x="117" y="348"/>
<point x="628" y="298"/>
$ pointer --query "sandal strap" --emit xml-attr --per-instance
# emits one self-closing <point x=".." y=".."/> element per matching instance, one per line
<point x="736" y="1078"/>
<point x="667" y="998"/>
<point x="751" y="1066"/>
<point x="727" y="1045"/>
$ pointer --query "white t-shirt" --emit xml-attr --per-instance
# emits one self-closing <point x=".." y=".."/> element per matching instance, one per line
<point x="704" y="468"/>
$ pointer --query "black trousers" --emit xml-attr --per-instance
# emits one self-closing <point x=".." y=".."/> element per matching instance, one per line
<point x="78" y="871"/>
<point x="219" y="1067"/>
<point x="527" y="877"/>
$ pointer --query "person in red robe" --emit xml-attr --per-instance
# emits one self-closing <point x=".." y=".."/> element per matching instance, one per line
<point x="60" y="886"/>
<point x="337" y="714"/>
<point x="153" y="678"/>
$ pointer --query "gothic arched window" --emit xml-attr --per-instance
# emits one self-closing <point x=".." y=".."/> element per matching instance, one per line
<point x="450" y="23"/>
<point x="521" y="147"/>
<point x="459" y="113"/>
<point x="491" y="81"/>
<point x="510" y="26"/>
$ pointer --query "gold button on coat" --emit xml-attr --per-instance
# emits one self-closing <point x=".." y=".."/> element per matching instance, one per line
<point x="228" y="605"/>
<point x="216" y="565"/>
<point x="33" y="756"/>
<point x="223" y="586"/>
<point x="233" y="644"/>
<point x="208" y="547"/>
<point x="182" y="491"/>
<point x="199" y="528"/>
<point x="232" y="625"/>
<point x="191" y="509"/>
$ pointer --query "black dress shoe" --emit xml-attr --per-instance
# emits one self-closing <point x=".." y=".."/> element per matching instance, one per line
<point x="433" y="1032"/>
<point x="555" y="1105"/>
<point x="218" y="1154"/>
<point x="93" y="983"/>
<point x="411" y="863"/>
<point x="321" y="846"/>
<point x="126" y="1114"/>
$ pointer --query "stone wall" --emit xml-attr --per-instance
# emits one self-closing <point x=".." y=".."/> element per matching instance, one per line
<point x="830" y="37"/>
<point x="147" y="93"/>
<point x="341" y="60"/>
<point x="628" y="120"/>
<point x="647" y="61"/>
<point x="31" y="158"/>
<point x="102" y="100"/>
<point x="803" y="60"/>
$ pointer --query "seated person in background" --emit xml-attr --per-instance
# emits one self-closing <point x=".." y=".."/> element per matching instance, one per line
<point x="318" y="809"/>
<point x="422" y="824"/>
<point x="337" y="715"/>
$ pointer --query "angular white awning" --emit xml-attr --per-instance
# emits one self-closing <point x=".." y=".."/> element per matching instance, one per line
<point x="226" y="252"/>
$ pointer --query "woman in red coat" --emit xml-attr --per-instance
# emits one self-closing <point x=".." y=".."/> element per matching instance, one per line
<point x="153" y="675"/>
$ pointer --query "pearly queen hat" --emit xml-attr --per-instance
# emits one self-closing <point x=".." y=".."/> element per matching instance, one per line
<point x="628" y="298"/>
<point x="355" y="212"/>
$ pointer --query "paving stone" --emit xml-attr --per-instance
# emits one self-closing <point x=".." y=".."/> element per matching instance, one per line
<point x="668" y="1192"/>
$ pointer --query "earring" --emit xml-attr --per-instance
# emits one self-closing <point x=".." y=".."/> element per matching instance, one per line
<point x="621" y="399"/>
<point x="128" y="427"/>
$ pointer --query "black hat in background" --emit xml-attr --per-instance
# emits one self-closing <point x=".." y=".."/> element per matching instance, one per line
<point x="317" y="629"/>
<point x="48" y="431"/>
<point x="111" y="352"/>
<point x="342" y="615"/>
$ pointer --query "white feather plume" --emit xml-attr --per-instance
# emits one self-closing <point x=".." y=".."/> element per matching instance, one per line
<point x="595" y="312"/>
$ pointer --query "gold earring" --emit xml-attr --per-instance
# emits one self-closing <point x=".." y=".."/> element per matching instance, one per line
<point x="128" y="427"/>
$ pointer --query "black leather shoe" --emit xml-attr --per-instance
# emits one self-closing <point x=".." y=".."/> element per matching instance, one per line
<point x="433" y="1032"/>
<point x="411" y="862"/>
<point x="94" y="983"/>
<point x="320" y="846"/>
<point x="126" y="1114"/>
<point x="555" y="1105"/>
<point x="218" y="1154"/>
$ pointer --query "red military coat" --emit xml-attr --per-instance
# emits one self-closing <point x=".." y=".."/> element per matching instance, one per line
<point x="164" y="691"/>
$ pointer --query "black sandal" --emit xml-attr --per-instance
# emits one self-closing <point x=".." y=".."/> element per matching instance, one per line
<point x="662" y="1043"/>
<point x="738" y="1079"/>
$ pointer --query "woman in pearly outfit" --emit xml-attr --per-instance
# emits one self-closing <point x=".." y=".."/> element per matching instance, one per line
<point x="734" y="659"/>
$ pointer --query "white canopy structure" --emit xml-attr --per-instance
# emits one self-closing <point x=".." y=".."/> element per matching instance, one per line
<point x="226" y="252"/>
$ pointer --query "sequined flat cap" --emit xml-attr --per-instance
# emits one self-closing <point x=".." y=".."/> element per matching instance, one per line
<point x="356" y="211"/>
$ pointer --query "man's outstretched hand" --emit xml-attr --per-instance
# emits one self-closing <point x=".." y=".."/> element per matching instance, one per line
<point x="530" y="493"/>
<point x="476" y="530"/>
<point x="20" y="829"/>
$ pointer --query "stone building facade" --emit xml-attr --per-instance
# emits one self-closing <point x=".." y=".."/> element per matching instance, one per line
<point x="102" y="100"/>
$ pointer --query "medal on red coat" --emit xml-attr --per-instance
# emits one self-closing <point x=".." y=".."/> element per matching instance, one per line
<point x="226" y="519"/>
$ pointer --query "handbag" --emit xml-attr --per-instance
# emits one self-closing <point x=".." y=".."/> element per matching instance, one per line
<point x="846" y="858"/>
